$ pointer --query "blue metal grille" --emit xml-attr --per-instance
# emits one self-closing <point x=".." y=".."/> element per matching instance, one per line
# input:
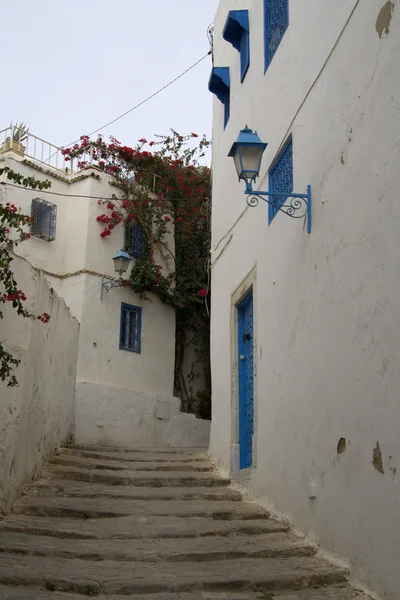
<point x="130" y="329"/>
<point x="276" y="21"/>
<point x="135" y="240"/>
<point x="246" y="382"/>
<point x="281" y="179"/>
<point x="44" y="216"/>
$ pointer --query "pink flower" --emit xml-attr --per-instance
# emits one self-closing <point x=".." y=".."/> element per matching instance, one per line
<point x="202" y="293"/>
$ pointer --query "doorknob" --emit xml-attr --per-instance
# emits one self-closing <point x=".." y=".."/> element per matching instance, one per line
<point x="242" y="357"/>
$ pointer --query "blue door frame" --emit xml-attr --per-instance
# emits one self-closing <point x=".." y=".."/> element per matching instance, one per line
<point x="246" y="380"/>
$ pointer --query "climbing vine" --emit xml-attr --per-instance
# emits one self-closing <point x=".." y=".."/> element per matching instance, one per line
<point x="11" y="234"/>
<point x="166" y="190"/>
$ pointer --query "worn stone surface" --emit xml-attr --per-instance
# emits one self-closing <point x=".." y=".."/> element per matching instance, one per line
<point x="152" y="534"/>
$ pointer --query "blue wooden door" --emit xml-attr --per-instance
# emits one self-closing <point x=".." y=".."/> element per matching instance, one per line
<point x="246" y="381"/>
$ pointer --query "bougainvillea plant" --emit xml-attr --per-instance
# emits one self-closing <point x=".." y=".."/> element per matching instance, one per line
<point x="11" y="234"/>
<point x="164" y="187"/>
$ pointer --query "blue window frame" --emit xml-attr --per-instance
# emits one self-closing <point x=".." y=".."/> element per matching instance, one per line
<point x="281" y="178"/>
<point x="237" y="32"/>
<point x="220" y="85"/>
<point x="44" y="216"/>
<point x="130" y="328"/>
<point x="276" y="21"/>
<point x="135" y="241"/>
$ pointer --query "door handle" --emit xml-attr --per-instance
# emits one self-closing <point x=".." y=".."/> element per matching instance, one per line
<point x="246" y="336"/>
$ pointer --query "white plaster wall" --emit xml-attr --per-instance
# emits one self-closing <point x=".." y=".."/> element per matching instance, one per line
<point x="37" y="416"/>
<point x="114" y="417"/>
<point x="326" y="305"/>
<point x="75" y="263"/>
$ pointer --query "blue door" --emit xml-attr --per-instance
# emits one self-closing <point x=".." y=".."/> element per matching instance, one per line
<point x="246" y="381"/>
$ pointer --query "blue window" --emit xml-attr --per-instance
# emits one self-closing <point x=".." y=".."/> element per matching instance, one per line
<point x="237" y="32"/>
<point x="135" y="242"/>
<point x="130" y="328"/>
<point x="281" y="179"/>
<point x="220" y="85"/>
<point x="276" y="21"/>
<point x="44" y="216"/>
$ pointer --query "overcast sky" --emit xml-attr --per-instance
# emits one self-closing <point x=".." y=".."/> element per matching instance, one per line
<point x="69" y="67"/>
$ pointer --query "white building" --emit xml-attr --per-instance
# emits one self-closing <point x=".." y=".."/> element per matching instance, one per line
<point x="306" y="327"/>
<point x="112" y="386"/>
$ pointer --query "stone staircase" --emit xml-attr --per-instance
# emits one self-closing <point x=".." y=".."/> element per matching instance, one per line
<point x="121" y="524"/>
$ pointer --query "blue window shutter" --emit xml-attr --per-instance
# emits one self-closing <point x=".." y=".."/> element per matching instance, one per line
<point x="237" y="32"/>
<point x="244" y="55"/>
<point x="276" y="21"/>
<point x="130" y="328"/>
<point x="220" y="85"/>
<point x="281" y="179"/>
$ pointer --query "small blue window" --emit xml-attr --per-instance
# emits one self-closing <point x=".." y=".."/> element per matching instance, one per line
<point x="135" y="240"/>
<point x="220" y="85"/>
<point x="281" y="179"/>
<point x="276" y="21"/>
<point x="130" y="328"/>
<point x="237" y="32"/>
<point x="44" y="216"/>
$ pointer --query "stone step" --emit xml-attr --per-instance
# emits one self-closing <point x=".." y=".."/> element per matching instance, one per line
<point x="137" y="527"/>
<point x="337" y="592"/>
<point x="107" y="577"/>
<point x="72" y="489"/>
<point x="135" y="456"/>
<point x="138" y="478"/>
<point x="162" y="450"/>
<point x="98" y="508"/>
<point x="84" y="462"/>
<point x="153" y="550"/>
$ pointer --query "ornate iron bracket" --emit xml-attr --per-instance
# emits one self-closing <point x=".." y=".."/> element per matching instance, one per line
<point x="299" y="206"/>
<point x="107" y="285"/>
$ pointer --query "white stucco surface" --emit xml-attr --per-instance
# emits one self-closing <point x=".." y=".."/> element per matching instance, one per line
<point x="117" y="417"/>
<point x="327" y="324"/>
<point x="37" y="416"/>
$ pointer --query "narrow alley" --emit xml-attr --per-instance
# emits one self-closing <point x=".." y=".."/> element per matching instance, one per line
<point x="159" y="524"/>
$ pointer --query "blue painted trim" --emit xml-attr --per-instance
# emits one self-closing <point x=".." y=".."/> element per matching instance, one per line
<point x="243" y="463"/>
<point x="220" y="85"/>
<point x="138" y="310"/>
<point x="237" y="32"/>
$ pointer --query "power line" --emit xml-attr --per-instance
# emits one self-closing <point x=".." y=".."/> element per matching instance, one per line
<point x="145" y="100"/>
<point x="44" y="191"/>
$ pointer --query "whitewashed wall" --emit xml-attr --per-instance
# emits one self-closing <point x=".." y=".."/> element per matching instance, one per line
<point x="327" y="337"/>
<point x="75" y="264"/>
<point x="37" y="416"/>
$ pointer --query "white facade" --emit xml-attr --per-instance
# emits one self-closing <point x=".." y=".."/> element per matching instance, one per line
<point x="75" y="264"/>
<point x="37" y="416"/>
<point x="326" y="317"/>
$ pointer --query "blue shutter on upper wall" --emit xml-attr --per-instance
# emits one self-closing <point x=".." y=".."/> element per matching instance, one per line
<point x="237" y="32"/>
<point x="220" y="85"/>
<point x="281" y="179"/>
<point x="276" y="21"/>
<point x="135" y="240"/>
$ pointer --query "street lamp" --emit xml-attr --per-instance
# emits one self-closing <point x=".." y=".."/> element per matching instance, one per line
<point x="121" y="264"/>
<point x="247" y="154"/>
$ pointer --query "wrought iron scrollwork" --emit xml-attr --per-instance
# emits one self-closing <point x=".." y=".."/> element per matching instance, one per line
<point x="297" y="207"/>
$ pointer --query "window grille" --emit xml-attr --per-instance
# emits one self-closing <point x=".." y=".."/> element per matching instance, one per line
<point x="276" y="21"/>
<point x="281" y="179"/>
<point x="135" y="242"/>
<point x="44" y="216"/>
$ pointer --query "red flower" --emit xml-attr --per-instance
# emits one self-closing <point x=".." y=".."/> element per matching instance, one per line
<point x="202" y="293"/>
<point x="203" y="324"/>
<point x="167" y="219"/>
<point x="178" y="219"/>
<point x="143" y="141"/>
<point x="125" y="204"/>
<point x="27" y="235"/>
<point x="194" y="135"/>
